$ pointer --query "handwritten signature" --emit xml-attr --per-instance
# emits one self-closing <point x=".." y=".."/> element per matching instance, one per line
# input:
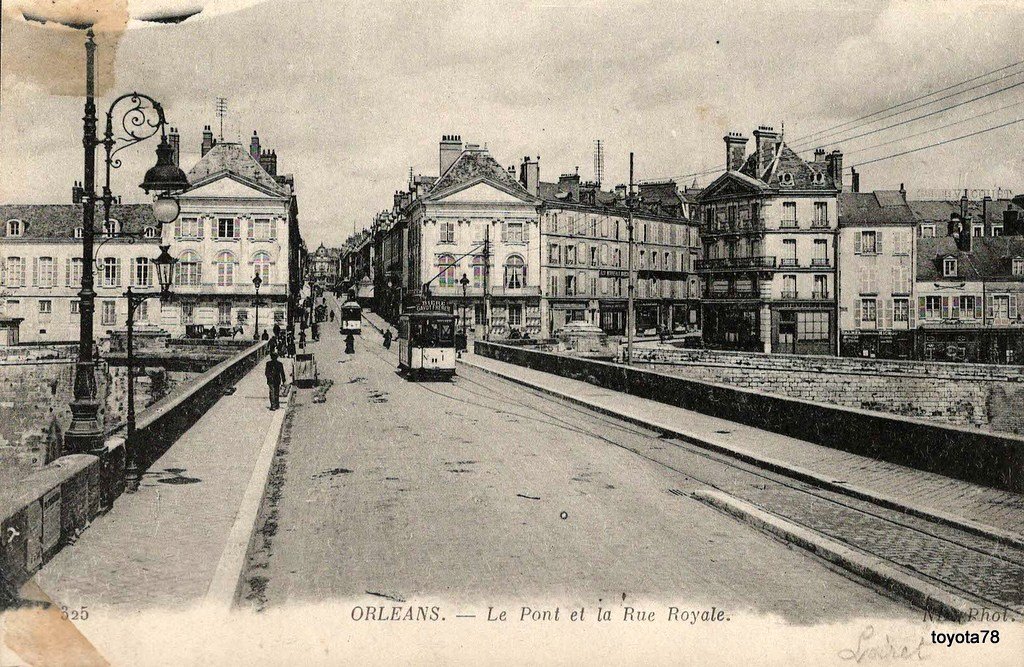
<point x="871" y="648"/>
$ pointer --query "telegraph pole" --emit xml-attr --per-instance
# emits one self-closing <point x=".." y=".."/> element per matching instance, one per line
<point x="630" y="314"/>
<point x="487" y="281"/>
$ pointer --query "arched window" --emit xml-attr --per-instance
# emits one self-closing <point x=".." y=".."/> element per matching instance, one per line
<point x="111" y="227"/>
<point x="515" y="272"/>
<point x="188" y="270"/>
<point x="446" y="267"/>
<point x="225" y="269"/>
<point x="150" y="232"/>
<point x="478" y="271"/>
<point x="261" y="266"/>
<point x="79" y="232"/>
<point x="14" y="228"/>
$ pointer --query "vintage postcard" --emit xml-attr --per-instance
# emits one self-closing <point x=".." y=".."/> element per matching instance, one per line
<point x="511" y="333"/>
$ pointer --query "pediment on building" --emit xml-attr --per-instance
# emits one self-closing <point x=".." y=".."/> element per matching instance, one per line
<point x="227" y="185"/>
<point x="482" y="190"/>
<point x="732" y="183"/>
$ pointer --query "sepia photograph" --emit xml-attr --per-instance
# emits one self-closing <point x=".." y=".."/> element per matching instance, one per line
<point x="523" y="332"/>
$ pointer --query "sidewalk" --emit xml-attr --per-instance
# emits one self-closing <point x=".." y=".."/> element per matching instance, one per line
<point x="161" y="545"/>
<point x="992" y="512"/>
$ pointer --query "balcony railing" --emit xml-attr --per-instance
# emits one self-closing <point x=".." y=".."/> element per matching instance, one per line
<point x="821" y="261"/>
<point x="819" y="294"/>
<point x="727" y="263"/>
<point x="740" y="227"/>
<point x="789" y="261"/>
<point x="788" y="294"/>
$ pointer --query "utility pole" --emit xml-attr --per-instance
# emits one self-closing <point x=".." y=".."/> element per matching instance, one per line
<point x="630" y="314"/>
<point x="487" y="281"/>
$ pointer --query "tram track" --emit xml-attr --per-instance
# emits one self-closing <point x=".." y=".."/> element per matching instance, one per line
<point x="952" y="559"/>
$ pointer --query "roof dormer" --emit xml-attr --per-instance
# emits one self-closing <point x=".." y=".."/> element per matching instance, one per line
<point x="950" y="266"/>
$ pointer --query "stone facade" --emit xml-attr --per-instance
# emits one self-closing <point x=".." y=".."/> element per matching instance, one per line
<point x="983" y="396"/>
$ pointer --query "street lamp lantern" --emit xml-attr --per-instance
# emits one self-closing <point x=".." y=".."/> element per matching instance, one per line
<point x="166" y="209"/>
<point x="164" y="176"/>
<point x="464" y="281"/>
<point x="256" y="282"/>
<point x="165" y="270"/>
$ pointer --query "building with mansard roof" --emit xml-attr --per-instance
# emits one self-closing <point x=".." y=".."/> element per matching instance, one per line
<point x="769" y="230"/>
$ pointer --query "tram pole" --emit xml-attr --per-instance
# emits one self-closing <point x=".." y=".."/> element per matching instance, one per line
<point x="630" y="314"/>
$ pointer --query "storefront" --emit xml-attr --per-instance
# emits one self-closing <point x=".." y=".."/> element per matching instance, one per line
<point x="561" y="313"/>
<point x="996" y="345"/>
<point x="732" y="327"/>
<point x="515" y="317"/>
<point x="877" y="344"/>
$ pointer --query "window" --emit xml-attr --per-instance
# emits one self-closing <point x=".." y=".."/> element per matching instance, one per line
<point x="142" y="272"/>
<point x="820" y="214"/>
<point x="515" y="272"/>
<point x="928" y="231"/>
<point x="76" y="307"/>
<point x="515" y="315"/>
<point x="593" y="255"/>
<point x="789" y="214"/>
<point x="788" y="287"/>
<point x="997" y="230"/>
<point x="261" y="266"/>
<point x="261" y="229"/>
<point x="554" y="253"/>
<point x="932" y="308"/>
<point x="111" y="228"/>
<point x="820" y="287"/>
<point x="949" y="267"/>
<point x="111" y="273"/>
<point x="820" y="253"/>
<point x="224" y="313"/>
<point x="514" y="232"/>
<point x="868" y="243"/>
<point x="789" y="252"/>
<point x="108" y="313"/>
<point x="901" y="310"/>
<point x="188" y="228"/>
<point x="786" y="179"/>
<point x="977" y="230"/>
<point x="1001" y="305"/>
<point x="1017" y="266"/>
<point x="15" y="273"/>
<point x="225" y="269"/>
<point x="570" y="285"/>
<point x="227" y="228"/>
<point x="45" y="306"/>
<point x="447" y="232"/>
<point x="188" y="269"/>
<point x="446" y="269"/>
<point x="570" y="255"/>
<point x="149" y="233"/>
<point x="14" y="228"/>
<point x="480" y="312"/>
<point x="868" y="311"/>
<point x="44" y="272"/>
<point x="967" y="307"/>
<point x="79" y="232"/>
<point x="142" y="312"/>
<point x="74" y="272"/>
<point x="188" y="312"/>
<point x="478" y="271"/>
<point x="616" y="257"/>
<point x="812" y="326"/>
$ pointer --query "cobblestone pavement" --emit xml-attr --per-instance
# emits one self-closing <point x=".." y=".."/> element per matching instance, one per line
<point x="964" y="563"/>
<point x="980" y="504"/>
<point x="161" y="544"/>
<point x="479" y="490"/>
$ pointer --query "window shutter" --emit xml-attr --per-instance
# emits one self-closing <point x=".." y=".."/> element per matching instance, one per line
<point x="177" y="228"/>
<point x="1013" y="306"/>
<point x="3" y="272"/>
<point x="977" y="307"/>
<point x="252" y="224"/>
<point x="911" y="315"/>
<point x="888" y="313"/>
<point x="526" y="231"/>
<point x="238" y="228"/>
<point x="35" y="272"/>
<point x="921" y="307"/>
<point x="990" y="307"/>
<point x="67" y="272"/>
<point x="956" y="308"/>
<point x="201" y="226"/>
<point x="117" y="272"/>
<point x="878" y="242"/>
<point x="23" y="269"/>
<point x="856" y="242"/>
<point x="856" y="313"/>
<point x="945" y="307"/>
<point x="504" y="232"/>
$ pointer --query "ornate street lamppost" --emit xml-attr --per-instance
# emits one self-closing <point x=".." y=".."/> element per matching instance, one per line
<point x="464" y="281"/>
<point x="143" y="118"/>
<point x="256" y="282"/>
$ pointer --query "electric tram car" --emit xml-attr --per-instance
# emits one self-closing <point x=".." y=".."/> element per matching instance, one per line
<point x="351" y="318"/>
<point x="426" y="345"/>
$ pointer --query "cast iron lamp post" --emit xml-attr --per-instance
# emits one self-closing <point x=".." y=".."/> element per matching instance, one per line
<point x="143" y="118"/>
<point x="256" y="282"/>
<point x="464" y="281"/>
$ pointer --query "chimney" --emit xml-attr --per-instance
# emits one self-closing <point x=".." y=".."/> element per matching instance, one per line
<point x="834" y="168"/>
<point x="77" y="193"/>
<point x="766" y="142"/>
<point x="903" y="191"/>
<point x="448" y="153"/>
<point x="855" y="182"/>
<point x="819" y="155"/>
<point x="207" y="140"/>
<point x="174" y="139"/>
<point x="529" y="174"/>
<point x="960" y="230"/>
<point x="570" y="183"/>
<point x="963" y="205"/>
<point x="735" y="150"/>
<point x="268" y="160"/>
<point x="1012" y="223"/>
<point x="620" y="192"/>
<point x="254" y="146"/>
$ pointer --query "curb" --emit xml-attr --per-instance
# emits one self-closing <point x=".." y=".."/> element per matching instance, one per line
<point x="796" y="472"/>
<point x="922" y="594"/>
<point x="227" y="578"/>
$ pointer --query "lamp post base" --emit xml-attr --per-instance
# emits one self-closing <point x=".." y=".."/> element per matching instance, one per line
<point x="85" y="435"/>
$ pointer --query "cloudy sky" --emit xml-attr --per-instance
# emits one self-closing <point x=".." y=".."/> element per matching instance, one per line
<point x="353" y="94"/>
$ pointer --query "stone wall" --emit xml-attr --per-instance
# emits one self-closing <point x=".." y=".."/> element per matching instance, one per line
<point x="980" y="395"/>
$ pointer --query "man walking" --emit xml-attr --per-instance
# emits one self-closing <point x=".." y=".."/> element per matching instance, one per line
<point x="275" y="378"/>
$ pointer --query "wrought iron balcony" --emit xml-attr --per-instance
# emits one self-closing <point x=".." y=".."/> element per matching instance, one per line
<point x="821" y="261"/>
<point x="734" y="263"/>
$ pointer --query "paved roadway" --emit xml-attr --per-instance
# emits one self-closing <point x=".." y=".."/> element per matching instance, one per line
<point x="481" y="490"/>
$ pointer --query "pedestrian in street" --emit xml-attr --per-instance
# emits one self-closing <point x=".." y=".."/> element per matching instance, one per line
<point x="350" y="344"/>
<point x="332" y="316"/>
<point x="302" y="339"/>
<point x="316" y="330"/>
<point x="265" y="336"/>
<point x="387" y="339"/>
<point x="275" y="378"/>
